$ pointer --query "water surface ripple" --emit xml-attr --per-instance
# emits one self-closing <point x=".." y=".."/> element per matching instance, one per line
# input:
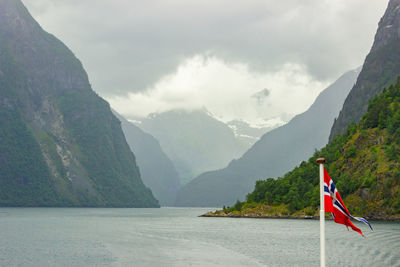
<point x="177" y="237"/>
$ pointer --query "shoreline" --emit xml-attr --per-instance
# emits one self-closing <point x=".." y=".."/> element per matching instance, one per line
<point x="295" y="217"/>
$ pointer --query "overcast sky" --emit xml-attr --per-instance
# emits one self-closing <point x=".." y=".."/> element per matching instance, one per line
<point x="156" y="55"/>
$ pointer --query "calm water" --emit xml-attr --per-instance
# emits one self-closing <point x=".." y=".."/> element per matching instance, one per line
<point x="177" y="237"/>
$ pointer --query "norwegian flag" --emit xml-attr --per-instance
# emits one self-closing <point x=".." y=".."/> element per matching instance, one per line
<point x="334" y="204"/>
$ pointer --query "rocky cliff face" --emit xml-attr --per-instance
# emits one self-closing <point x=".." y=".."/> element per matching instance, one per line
<point x="274" y="154"/>
<point x="381" y="68"/>
<point x="389" y="26"/>
<point x="60" y="145"/>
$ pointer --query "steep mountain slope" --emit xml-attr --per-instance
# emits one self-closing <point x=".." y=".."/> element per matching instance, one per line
<point x="194" y="141"/>
<point x="156" y="169"/>
<point x="380" y="69"/>
<point x="60" y="145"/>
<point x="364" y="163"/>
<point x="275" y="153"/>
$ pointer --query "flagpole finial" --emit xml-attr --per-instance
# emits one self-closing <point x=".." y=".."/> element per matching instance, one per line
<point x="321" y="160"/>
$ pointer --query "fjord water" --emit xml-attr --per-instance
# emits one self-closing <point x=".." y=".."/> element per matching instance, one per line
<point x="178" y="237"/>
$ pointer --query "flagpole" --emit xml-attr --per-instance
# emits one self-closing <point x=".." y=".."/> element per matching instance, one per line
<point x="321" y="162"/>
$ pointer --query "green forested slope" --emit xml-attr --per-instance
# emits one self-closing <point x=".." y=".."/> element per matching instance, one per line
<point x="364" y="163"/>
<point x="60" y="145"/>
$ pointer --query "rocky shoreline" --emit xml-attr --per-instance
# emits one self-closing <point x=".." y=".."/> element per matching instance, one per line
<point x="279" y="216"/>
<point x="259" y="216"/>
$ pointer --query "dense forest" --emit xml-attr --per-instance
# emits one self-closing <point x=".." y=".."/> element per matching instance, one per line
<point x="363" y="162"/>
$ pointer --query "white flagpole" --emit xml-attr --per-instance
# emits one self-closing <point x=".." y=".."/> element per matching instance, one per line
<point x="321" y="162"/>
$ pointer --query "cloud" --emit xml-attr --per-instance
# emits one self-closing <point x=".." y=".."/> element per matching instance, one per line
<point x="128" y="46"/>
<point x="228" y="90"/>
<point x="261" y="96"/>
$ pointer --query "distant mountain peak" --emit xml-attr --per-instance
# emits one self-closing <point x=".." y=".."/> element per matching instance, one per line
<point x="273" y="154"/>
<point x="194" y="140"/>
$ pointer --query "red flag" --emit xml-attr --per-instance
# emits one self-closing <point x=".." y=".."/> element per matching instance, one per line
<point x="334" y="204"/>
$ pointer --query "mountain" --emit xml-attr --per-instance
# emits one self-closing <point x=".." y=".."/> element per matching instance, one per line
<point x="194" y="140"/>
<point x="247" y="133"/>
<point x="60" y="145"/>
<point x="380" y="69"/>
<point x="274" y="154"/>
<point x="364" y="164"/>
<point x="156" y="169"/>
